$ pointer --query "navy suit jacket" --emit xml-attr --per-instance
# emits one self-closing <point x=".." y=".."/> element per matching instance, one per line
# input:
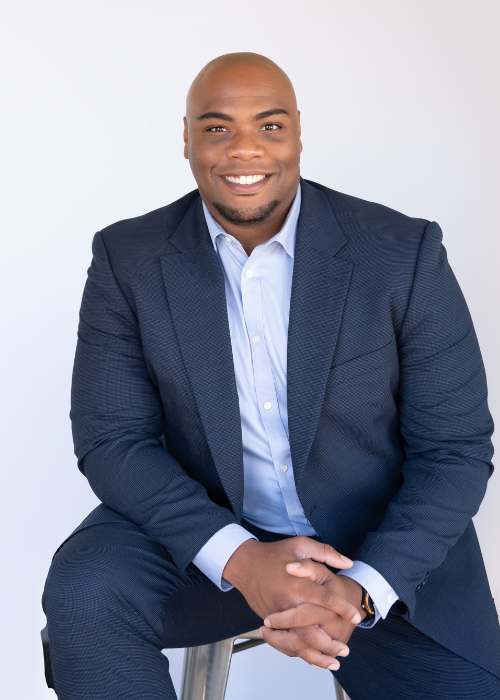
<point x="388" y="419"/>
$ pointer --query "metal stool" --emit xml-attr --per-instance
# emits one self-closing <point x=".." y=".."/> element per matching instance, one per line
<point x="206" y="668"/>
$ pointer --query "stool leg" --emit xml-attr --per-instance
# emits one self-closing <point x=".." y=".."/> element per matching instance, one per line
<point x="339" y="691"/>
<point x="206" y="669"/>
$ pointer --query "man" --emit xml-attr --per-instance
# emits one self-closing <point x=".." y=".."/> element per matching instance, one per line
<point x="272" y="379"/>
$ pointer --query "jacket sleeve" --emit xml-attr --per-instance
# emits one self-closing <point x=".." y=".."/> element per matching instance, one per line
<point x="116" y="418"/>
<point x="445" y="425"/>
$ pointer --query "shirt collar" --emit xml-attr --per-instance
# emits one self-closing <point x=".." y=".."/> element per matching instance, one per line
<point x="286" y="235"/>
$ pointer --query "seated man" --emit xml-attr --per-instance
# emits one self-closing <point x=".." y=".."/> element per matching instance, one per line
<point x="274" y="380"/>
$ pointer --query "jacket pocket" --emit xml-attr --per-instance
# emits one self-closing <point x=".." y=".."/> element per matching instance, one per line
<point x="364" y="363"/>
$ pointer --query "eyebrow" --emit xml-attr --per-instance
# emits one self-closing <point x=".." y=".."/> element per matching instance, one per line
<point x="215" y="115"/>
<point x="226" y="118"/>
<point x="270" y="113"/>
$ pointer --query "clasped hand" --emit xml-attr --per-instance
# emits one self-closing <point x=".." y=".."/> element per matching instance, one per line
<point x="308" y="611"/>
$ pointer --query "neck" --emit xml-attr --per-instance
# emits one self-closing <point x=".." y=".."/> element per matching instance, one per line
<point x="252" y="236"/>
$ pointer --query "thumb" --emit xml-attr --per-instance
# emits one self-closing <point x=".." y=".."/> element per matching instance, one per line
<point x="319" y="574"/>
<point x="309" y="569"/>
<point x="306" y="548"/>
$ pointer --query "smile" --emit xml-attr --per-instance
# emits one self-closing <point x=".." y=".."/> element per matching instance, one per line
<point x="245" y="180"/>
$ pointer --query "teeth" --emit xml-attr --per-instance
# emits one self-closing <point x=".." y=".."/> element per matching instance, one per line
<point x="248" y="180"/>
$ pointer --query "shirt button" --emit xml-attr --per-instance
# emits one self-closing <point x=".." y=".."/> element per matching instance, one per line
<point x="249" y="273"/>
<point x="256" y="339"/>
<point x="284" y="468"/>
<point x="229" y="239"/>
<point x="267" y="405"/>
<point x="389" y="597"/>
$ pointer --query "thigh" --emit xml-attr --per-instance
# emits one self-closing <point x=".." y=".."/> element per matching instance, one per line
<point x="395" y="661"/>
<point x="116" y="569"/>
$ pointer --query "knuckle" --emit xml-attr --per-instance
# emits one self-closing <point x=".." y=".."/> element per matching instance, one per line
<point x="301" y="586"/>
<point x="281" y="602"/>
<point x="327" y="597"/>
<point x="300" y="620"/>
<point x="328" y="550"/>
<point x="308" y="635"/>
<point x="344" y="607"/>
<point x="349" y="611"/>
<point x="331" y="649"/>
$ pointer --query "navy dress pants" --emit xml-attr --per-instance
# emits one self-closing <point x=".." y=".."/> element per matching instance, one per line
<point x="114" y="599"/>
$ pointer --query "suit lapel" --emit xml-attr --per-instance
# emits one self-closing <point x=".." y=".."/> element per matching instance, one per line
<point x="319" y="288"/>
<point x="194" y="282"/>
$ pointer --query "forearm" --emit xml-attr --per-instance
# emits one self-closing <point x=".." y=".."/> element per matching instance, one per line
<point x="427" y="517"/>
<point x="117" y="421"/>
<point x="445" y="425"/>
<point x="139" y="479"/>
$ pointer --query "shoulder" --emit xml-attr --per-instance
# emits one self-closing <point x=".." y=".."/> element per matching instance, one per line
<point x="373" y="229"/>
<point x="147" y="234"/>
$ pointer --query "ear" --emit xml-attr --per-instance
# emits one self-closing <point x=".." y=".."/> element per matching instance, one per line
<point x="186" y="155"/>
<point x="300" y="130"/>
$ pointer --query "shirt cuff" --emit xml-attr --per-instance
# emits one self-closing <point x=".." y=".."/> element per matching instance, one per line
<point x="214" y="555"/>
<point x="382" y="594"/>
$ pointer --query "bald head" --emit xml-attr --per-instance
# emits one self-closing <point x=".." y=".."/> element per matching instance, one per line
<point x="231" y="72"/>
<point x="242" y="139"/>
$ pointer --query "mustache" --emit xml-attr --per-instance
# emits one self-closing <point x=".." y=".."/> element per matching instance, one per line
<point x="244" y="217"/>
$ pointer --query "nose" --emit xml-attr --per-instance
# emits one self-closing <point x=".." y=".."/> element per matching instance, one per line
<point x="245" y="146"/>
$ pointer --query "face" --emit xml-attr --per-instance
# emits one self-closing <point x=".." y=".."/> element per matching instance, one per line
<point x="242" y="139"/>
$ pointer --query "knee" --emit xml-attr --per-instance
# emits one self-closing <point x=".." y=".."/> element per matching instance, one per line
<point x="98" y="580"/>
<point x="78" y="583"/>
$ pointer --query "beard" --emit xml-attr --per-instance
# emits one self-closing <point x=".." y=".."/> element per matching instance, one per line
<point x="242" y="217"/>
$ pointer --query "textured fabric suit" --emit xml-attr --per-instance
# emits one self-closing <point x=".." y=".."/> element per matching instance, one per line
<point x="389" y="426"/>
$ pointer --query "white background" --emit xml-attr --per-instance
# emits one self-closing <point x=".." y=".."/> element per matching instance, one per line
<point x="400" y="105"/>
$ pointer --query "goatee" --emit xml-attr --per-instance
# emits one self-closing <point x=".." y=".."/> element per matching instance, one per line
<point x="247" y="218"/>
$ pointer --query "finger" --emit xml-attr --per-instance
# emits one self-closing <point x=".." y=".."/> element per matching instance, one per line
<point x="305" y="619"/>
<point x="318" y="660"/>
<point x="290" y="644"/>
<point x="306" y="548"/>
<point x="286" y="641"/>
<point x="301" y="616"/>
<point x="307" y="568"/>
<point x="318" y="639"/>
<point x="324" y="596"/>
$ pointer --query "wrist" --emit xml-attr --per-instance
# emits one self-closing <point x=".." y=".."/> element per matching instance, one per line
<point x="238" y="567"/>
<point x="354" y="595"/>
<point x="368" y="606"/>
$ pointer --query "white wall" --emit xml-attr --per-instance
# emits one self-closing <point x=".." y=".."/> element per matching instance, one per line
<point x="400" y="104"/>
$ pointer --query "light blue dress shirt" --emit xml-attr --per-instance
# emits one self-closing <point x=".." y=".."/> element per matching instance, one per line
<point x="258" y="291"/>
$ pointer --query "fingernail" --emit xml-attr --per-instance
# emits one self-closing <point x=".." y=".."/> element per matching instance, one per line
<point x="314" y="666"/>
<point x="334" y="667"/>
<point x="294" y="565"/>
<point x="346" y="559"/>
<point x="356" y="619"/>
<point x="260" y="632"/>
<point x="267" y="622"/>
<point x="343" y="652"/>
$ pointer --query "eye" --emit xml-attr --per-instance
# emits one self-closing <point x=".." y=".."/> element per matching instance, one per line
<point x="271" y="127"/>
<point x="217" y="129"/>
